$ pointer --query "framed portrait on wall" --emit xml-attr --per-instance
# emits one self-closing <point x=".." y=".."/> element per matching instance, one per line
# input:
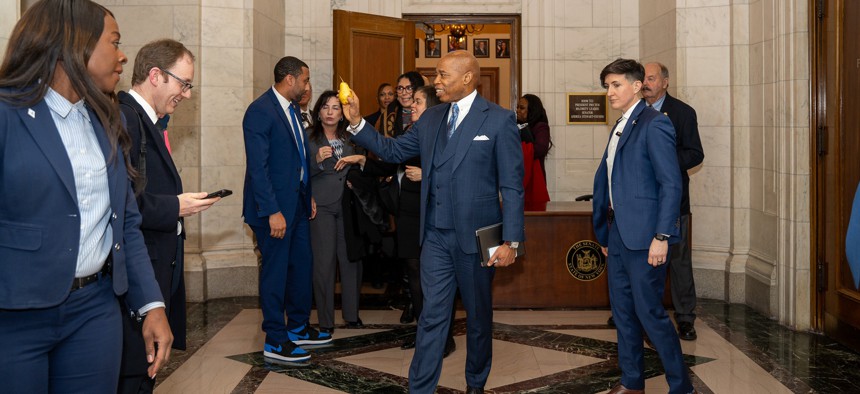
<point x="503" y="48"/>
<point x="456" y="43"/>
<point x="481" y="47"/>
<point x="433" y="48"/>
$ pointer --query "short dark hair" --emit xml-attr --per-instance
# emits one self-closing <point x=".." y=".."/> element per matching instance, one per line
<point x="430" y="93"/>
<point x="288" y="65"/>
<point x="162" y="54"/>
<point x="631" y="69"/>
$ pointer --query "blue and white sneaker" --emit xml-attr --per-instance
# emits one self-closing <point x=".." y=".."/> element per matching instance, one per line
<point x="287" y="351"/>
<point x="307" y="335"/>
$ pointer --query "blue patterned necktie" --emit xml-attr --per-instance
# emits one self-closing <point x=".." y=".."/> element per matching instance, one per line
<point x="297" y="130"/>
<point x="452" y="122"/>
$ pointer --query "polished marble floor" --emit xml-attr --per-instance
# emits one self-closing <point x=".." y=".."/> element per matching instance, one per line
<point x="534" y="351"/>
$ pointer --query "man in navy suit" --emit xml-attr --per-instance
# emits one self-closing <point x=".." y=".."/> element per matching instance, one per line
<point x="470" y="150"/>
<point x="70" y="241"/>
<point x="278" y="205"/>
<point x="637" y="193"/>
<point x="163" y="72"/>
<point x="688" y="146"/>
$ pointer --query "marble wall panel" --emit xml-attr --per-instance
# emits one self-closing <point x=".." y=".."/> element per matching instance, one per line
<point x="708" y="66"/>
<point x="712" y="227"/>
<point x="740" y="156"/>
<point x="740" y="20"/>
<point x="273" y="9"/>
<point x="573" y="13"/>
<point x="268" y="34"/>
<point x="293" y="41"/>
<point x="741" y="187"/>
<point x="764" y="234"/>
<point x="653" y="9"/>
<point x="712" y="187"/>
<point x="222" y="146"/>
<point x="185" y="143"/>
<point x="466" y="6"/>
<point x="223" y="106"/>
<point x="712" y="103"/>
<point x="706" y="3"/>
<point x="589" y="44"/>
<point x="223" y="3"/>
<point x="223" y="226"/>
<point x="716" y="141"/>
<point x="217" y="177"/>
<point x="293" y="13"/>
<point x="186" y="24"/>
<point x="704" y="26"/>
<point x="142" y="24"/>
<point x="223" y="27"/>
<point x="224" y="67"/>
<point x="577" y="77"/>
<point x="658" y="35"/>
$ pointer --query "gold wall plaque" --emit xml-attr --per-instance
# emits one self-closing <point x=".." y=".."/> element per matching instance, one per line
<point x="585" y="261"/>
<point x="586" y="108"/>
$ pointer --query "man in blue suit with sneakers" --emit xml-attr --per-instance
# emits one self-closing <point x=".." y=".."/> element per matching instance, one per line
<point x="278" y="205"/>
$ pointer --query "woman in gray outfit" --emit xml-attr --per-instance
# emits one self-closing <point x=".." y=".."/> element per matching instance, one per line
<point x="328" y="142"/>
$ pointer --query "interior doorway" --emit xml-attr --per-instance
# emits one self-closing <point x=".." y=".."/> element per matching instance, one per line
<point x="497" y="48"/>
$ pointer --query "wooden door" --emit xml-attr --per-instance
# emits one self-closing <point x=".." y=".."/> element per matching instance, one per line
<point x="370" y="50"/>
<point x="836" y="163"/>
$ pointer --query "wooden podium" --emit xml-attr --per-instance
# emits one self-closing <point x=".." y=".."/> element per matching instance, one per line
<point x="541" y="278"/>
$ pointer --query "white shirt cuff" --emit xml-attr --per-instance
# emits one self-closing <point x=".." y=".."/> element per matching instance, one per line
<point x="354" y="130"/>
<point x="148" y="307"/>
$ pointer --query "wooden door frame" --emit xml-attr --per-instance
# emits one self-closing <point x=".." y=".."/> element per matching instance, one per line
<point x="818" y="117"/>
<point x="515" y="22"/>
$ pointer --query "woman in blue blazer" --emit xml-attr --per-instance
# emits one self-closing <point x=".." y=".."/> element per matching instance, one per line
<point x="69" y="226"/>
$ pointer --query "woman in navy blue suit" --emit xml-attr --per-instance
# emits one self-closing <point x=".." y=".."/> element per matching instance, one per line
<point x="637" y="195"/>
<point x="69" y="225"/>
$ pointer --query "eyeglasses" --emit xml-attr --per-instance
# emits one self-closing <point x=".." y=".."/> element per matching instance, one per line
<point x="186" y="86"/>
<point x="407" y="88"/>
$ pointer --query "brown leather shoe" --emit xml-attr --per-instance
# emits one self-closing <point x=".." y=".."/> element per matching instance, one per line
<point x="620" y="389"/>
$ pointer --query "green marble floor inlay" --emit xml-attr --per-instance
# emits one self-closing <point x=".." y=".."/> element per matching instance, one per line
<point x="326" y="370"/>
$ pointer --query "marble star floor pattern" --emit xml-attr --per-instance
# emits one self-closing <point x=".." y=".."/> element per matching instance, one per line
<point x="534" y="351"/>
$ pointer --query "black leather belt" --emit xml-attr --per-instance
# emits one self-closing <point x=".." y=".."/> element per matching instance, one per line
<point x="78" y="283"/>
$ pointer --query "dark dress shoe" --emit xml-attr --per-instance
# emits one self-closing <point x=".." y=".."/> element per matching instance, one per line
<point x="610" y="322"/>
<point x="355" y="324"/>
<point x="686" y="331"/>
<point x="450" y="347"/>
<point x="407" y="317"/>
<point x="408" y="344"/>
<point x="620" y="389"/>
<point x="474" y="390"/>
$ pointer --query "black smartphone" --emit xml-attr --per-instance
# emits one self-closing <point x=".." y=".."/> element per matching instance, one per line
<point x="220" y="193"/>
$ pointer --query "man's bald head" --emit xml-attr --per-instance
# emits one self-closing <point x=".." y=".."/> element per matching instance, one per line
<point x="456" y="76"/>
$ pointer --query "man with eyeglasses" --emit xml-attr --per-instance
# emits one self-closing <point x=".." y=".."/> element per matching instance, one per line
<point x="163" y="71"/>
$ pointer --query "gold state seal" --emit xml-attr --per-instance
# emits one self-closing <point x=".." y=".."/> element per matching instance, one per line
<point x="585" y="261"/>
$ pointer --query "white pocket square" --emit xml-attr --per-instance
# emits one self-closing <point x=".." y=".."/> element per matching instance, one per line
<point x="481" y="138"/>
